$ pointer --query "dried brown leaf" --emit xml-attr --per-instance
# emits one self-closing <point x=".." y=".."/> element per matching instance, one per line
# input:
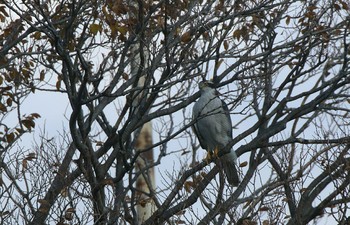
<point x="25" y="164"/>
<point x="188" y="185"/>
<point x="3" y="107"/>
<point x="243" y="164"/>
<point x="42" y="75"/>
<point x="95" y="28"/>
<point x="3" y="11"/>
<point x="28" y="123"/>
<point x="10" y="137"/>
<point x="237" y="34"/>
<point x="186" y="37"/>
<point x="288" y="20"/>
<point x="31" y="156"/>
<point x="226" y="45"/>
<point x="58" y="84"/>
<point x="65" y="192"/>
<point x="264" y="209"/>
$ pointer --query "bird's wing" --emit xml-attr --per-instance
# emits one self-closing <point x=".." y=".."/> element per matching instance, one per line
<point x="197" y="133"/>
<point x="227" y="114"/>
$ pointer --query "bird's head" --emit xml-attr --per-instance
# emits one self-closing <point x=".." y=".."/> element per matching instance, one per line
<point x="205" y="85"/>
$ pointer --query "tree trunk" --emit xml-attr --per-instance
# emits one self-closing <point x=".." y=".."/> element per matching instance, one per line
<point x="146" y="180"/>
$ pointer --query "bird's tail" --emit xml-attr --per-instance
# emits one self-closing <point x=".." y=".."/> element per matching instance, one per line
<point x="229" y="165"/>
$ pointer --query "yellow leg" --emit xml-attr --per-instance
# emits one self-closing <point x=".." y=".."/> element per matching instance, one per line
<point x="211" y="155"/>
<point x="208" y="157"/>
<point x="216" y="152"/>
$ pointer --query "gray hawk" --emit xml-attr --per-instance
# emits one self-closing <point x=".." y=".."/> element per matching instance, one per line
<point x="213" y="128"/>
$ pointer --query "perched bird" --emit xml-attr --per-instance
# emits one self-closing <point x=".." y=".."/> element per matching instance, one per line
<point x="213" y="128"/>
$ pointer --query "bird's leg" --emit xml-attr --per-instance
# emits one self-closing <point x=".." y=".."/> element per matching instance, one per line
<point x="212" y="154"/>
<point x="216" y="152"/>
<point x="208" y="157"/>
